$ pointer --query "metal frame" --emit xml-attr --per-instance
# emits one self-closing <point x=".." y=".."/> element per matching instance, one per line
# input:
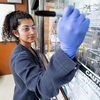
<point x="41" y="27"/>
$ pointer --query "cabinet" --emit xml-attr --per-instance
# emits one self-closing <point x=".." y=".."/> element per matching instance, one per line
<point x="5" y="51"/>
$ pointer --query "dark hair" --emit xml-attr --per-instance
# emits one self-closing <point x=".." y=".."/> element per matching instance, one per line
<point x="11" y="23"/>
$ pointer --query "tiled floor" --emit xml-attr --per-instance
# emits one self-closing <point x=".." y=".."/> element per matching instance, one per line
<point x="7" y="87"/>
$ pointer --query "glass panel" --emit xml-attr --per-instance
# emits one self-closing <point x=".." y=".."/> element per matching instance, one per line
<point x="89" y="51"/>
<point x="86" y="83"/>
<point x="50" y="38"/>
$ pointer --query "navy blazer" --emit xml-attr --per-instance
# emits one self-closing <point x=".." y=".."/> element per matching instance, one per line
<point x="32" y="80"/>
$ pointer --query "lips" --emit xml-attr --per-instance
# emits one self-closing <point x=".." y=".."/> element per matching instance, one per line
<point x="31" y="37"/>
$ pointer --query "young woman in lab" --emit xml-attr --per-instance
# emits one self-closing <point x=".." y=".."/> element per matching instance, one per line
<point x="32" y="80"/>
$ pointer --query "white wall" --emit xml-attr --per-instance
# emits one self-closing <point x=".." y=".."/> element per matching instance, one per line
<point x="4" y="9"/>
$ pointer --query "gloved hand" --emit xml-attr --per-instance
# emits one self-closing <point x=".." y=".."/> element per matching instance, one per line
<point x="71" y="30"/>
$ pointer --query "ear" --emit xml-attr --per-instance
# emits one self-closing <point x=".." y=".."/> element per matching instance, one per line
<point x="15" y="32"/>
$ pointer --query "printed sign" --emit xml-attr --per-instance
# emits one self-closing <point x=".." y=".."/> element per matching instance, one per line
<point x="84" y="86"/>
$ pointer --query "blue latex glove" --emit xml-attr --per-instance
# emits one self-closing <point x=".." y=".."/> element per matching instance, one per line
<point x="71" y="30"/>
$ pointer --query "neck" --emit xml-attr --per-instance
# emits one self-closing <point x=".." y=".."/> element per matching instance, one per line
<point x="27" y="45"/>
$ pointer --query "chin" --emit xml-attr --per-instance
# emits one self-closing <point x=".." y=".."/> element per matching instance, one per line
<point x="32" y="41"/>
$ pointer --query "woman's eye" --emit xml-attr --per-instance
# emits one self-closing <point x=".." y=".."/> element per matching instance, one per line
<point x="34" y="27"/>
<point x="26" y="29"/>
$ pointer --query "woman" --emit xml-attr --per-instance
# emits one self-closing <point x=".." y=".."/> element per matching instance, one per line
<point x="32" y="81"/>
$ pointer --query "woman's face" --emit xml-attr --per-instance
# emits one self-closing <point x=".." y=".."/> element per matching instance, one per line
<point x="26" y="31"/>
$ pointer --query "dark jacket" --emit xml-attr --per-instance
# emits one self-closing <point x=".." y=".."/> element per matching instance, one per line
<point x="32" y="81"/>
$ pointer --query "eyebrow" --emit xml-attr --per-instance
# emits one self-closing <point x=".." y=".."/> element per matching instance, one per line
<point x="27" y="25"/>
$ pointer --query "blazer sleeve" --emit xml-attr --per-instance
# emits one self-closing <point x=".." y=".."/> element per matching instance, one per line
<point x="45" y="83"/>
